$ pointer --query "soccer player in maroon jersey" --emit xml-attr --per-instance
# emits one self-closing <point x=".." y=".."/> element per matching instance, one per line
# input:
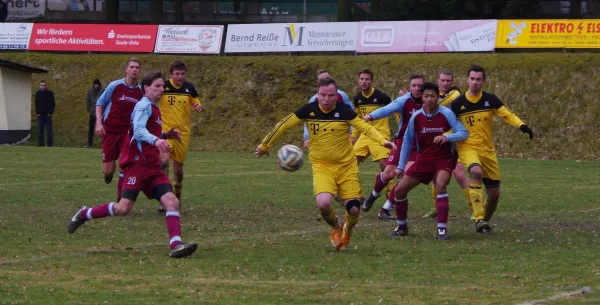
<point x="140" y="161"/>
<point x="113" y="109"/>
<point x="436" y="157"/>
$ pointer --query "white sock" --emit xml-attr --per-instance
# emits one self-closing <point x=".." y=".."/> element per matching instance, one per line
<point x="388" y="205"/>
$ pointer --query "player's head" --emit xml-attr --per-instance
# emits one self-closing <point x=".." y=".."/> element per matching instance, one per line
<point x="430" y="94"/>
<point x="132" y="69"/>
<point x="445" y="79"/>
<point x="152" y="84"/>
<point x="415" y="82"/>
<point x="365" y="79"/>
<point x="322" y="74"/>
<point x="177" y="72"/>
<point x="43" y="85"/>
<point x="476" y="78"/>
<point x="327" y="95"/>
<point x="96" y="84"/>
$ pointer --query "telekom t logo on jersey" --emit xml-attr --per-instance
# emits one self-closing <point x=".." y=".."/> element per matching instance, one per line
<point x="292" y="34"/>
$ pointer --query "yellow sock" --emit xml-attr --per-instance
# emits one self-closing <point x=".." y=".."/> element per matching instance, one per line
<point x="489" y="208"/>
<point x="330" y="217"/>
<point x="351" y="221"/>
<point x="467" y="195"/>
<point x="476" y="194"/>
<point x="177" y="188"/>
<point x="434" y="195"/>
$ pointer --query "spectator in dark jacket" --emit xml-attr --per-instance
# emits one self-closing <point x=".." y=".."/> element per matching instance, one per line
<point x="44" y="107"/>
<point x="92" y="96"/>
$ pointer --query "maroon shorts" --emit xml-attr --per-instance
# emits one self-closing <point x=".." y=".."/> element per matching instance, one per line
<point x="394" y="157"/>
<point x="425" y="171"/>
<point x="112" y="144"/>
<point x="140" y="177"/>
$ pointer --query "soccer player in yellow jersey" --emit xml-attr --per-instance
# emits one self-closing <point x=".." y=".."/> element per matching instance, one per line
<point x="335" y="170"/>
<point x="476" y="109"/>
<point x="448" y="93"/>
<point x="176" y="105"/>
<point x="366" y="101"/>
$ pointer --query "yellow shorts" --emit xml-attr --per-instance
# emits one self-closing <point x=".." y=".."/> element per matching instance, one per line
<point x="487" y="160"/>
<point x="340" y="179"/>
<point x="365" y="147"/>
<point x="179" y="149"/>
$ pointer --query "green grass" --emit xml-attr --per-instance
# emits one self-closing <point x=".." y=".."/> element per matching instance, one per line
<point x="245" y="96"/>
<point x="261" y="240"/>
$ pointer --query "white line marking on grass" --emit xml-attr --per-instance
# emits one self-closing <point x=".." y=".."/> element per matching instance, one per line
<point x="555" y="297"/>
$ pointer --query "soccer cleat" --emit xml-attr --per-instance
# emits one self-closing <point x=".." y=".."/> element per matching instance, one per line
<point x="442" y="234"/>
<point x="399" y="231"/>
<point x="346" y="237"/>
<point x="183" y="250"/>
<point x="76" y="221"/>
<point x="385" y="215"/>
<point x="108" y="179"/>
<point x="431" y="214"/>
<point x="483" y="227"/>
<point x="368" y="204"/>
<point x="336" y="237"/>
<point x="160" y="209"/>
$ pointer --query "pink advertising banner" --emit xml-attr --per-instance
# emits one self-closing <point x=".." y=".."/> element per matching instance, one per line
<point x="427" y="36"/>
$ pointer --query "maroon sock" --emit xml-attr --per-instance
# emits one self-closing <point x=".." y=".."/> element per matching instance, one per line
<point x="442" y="205"/>
<point x="120" y="185"/>
<point x="379" y="183"/>
<point x="401" y="206"/>
<point x="174" y="228"/>
<point x="100" y="211"/>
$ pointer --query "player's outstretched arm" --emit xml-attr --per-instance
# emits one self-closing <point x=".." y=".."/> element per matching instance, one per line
<point x="371" y="132"/>
<point x="141" y="114"/>
<point x="407" y="141"/>
<point x="288" y="122"/>
<point x="387" y="110"/>
<point x="459" y="132"/>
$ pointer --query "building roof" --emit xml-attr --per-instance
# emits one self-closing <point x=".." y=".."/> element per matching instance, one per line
<point x="4" y="63"/>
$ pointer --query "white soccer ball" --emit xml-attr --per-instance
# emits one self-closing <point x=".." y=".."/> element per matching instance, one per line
<point x="290" y="158"/>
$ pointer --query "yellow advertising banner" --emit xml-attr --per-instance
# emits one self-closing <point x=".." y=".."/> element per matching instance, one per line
<point x="548" y="33"/>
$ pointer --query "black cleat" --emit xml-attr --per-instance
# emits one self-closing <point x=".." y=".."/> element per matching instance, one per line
<point x="483" y="227"/>
<point x="368" y="204"/>
<point x="76" y="221"/>
<point x="183" y="250"/>
<point x="385" y="215"/>
<point x="399" y="231"/>
<point x="442" y="234"/>
<point x="108" y="179"/>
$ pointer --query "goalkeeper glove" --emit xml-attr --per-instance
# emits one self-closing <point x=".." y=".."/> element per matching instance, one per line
<point x="525" y="129"/>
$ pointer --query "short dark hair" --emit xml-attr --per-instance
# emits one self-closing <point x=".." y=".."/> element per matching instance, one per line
<point x="446" y="71"/>
<point x="130" y="59"/>
<point x="430" y="86"/>
<point x="97" y="82"/>
<point x="476" y="68"/>
<point x="149" y="78"/>
<point x="42" y="82"/>
<point x="415" y="76"/>
<point x="366" y="71"/>
<point x="324" y="82"/>
<point x="177" y="65"/>
<point x="321" y="72"/>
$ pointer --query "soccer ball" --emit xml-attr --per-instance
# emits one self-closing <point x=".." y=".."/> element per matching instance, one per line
<point x="290" y="158"/>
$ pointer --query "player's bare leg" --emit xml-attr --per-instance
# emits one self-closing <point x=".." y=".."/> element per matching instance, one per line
<point x="177" y="178"/>
<point x="108" y="170"/>
<point x="178" y="249"/>
<point x="476" y="195"/>
<point x="442" y="203"/>
<point x="164" y="159"/>
<point x="325" y="206"/>
<point x="400" y="194"/>
<point x="491" y="203"/>
<point x="352" y="216"/>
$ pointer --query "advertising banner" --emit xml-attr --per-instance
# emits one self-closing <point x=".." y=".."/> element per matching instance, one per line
<point x="548" y="33"/>
<point x="19" y="10"/>
<point x="291" y="37"/>
<point x="15" y="36"/>
<point x="93" y="37"/>
<point x="427" y="36"/>
<point x="200" y="39"/>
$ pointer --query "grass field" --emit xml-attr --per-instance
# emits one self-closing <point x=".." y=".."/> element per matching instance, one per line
<point x="261" y="240"/>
